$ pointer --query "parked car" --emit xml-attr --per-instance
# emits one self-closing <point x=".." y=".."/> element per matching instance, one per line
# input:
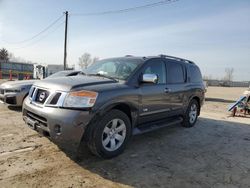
<point x="14" y="92"/>
<point x="116" y="98"/>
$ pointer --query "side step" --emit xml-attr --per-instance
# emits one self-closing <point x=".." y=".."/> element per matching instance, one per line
<point x="155" y="126"/>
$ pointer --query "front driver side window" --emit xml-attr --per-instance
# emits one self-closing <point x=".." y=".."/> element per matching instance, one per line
<point x="156" y="67"/>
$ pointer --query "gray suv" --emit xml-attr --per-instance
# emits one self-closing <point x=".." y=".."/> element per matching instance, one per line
<point x="114" y="99"/>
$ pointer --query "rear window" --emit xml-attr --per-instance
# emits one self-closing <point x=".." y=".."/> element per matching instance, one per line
<point x="176" y="73"/>
<point x="195" y="74"/>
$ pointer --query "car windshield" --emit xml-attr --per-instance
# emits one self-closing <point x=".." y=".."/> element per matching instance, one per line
<point x="115" y="68"/>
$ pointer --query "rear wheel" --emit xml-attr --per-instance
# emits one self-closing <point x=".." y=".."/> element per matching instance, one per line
<point x="191" y="115"/>
<point x="110" y="135"/>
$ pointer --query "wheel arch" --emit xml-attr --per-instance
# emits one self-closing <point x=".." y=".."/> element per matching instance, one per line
<point x="130" y="110"/>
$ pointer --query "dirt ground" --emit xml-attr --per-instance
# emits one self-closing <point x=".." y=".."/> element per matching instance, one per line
<point x="214" y="153"/>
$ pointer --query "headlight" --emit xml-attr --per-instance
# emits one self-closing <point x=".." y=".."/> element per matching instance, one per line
<point x="80" y="99"/>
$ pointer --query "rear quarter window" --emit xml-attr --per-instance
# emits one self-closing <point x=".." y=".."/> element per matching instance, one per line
<point x="195" y="74"/>
<point x="176" y="73"/>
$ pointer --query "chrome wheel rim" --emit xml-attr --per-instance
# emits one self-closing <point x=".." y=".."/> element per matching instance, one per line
<point x="114" y="134"/>
<point x="193" y="113"/>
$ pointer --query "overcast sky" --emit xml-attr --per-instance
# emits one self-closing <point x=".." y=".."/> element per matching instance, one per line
<point x="215" y="33"/>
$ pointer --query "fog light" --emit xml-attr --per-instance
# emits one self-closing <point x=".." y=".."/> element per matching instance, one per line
<point x="58" y="129"/>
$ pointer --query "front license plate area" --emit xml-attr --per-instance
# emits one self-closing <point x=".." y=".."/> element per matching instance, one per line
<point x="31" y="123"/>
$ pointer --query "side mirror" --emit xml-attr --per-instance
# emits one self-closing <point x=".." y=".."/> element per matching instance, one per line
<point x="149" y="78"/>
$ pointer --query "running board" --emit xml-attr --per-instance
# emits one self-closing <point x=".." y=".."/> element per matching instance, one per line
<point x="152" y="127"/>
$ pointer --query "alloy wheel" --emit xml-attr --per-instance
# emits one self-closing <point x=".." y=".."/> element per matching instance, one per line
<point x="193" y="113"/>
<point x="114" y="134"/>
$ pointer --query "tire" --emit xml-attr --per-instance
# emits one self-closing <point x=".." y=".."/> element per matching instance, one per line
<point x="110" y="134"/>
<point x="191" y="115"/>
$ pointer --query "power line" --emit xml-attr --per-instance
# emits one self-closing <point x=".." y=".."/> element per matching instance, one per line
<point x="38" y="34"/>
<point x="159" y="3"/>
<point x="41" y="38"/>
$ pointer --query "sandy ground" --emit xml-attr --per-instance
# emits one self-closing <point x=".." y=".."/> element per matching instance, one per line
<point x="214" y="153"/>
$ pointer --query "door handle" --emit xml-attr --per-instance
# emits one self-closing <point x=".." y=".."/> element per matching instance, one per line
<point x="167" y="90"/>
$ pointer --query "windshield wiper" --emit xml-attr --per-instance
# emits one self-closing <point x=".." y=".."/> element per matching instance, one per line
<point x="104" y="76"/>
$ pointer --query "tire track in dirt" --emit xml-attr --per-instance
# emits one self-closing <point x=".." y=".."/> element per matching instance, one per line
<point x="19" y="150"/>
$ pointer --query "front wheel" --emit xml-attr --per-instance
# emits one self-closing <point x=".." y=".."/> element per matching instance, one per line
<point x="110" y="135"/>
<point x="191" y="115"/>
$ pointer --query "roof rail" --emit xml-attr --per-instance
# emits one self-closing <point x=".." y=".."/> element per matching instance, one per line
<point x="176" y="58"/>
<point x="128" y="56"/>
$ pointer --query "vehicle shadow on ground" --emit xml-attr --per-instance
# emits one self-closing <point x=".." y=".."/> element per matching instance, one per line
<point x="219" y="100"/>
<point x="213" y="153"/>
<point x="15" y="108"/>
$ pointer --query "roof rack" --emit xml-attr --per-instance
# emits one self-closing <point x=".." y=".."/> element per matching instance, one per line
<point x="176" y="58"/>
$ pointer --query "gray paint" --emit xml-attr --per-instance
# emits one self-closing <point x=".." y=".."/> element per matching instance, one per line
<point x="147" y="102"/>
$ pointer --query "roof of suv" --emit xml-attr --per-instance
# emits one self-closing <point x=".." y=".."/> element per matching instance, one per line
<point x="160" y="56"/>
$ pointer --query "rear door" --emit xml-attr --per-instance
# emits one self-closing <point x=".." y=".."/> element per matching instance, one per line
<point x="176" y="85"/>
<point x="153" y="103"/>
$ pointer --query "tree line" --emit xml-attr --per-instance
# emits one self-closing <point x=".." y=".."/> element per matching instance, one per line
<point x="4" y="54"/>
<point x="87" y="59"/>
<point x="84" y="60"/>
<point x="228" y="76"/>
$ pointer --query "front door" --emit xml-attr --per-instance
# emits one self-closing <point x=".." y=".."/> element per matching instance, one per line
<point x="153" y="103"/>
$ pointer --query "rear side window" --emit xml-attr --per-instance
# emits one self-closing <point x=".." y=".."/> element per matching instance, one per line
<point x="176" y="73"/>
<point x="195" y="74"/>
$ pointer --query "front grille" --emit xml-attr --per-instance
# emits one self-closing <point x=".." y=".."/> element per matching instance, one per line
<point x="55" y="99"/>
<point x="2" y="91"/>
<point x="41" y="120"/>
<point x="11" y="100"/>
<point x="31" y="92"/>
<point x="41" y="96"/>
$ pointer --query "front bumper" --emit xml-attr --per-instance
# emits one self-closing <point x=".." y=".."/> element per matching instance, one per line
<point x="13" y="99"/>
<point x="65" y="127"/>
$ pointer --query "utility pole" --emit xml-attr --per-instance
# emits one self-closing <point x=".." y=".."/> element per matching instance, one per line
<point x="65" y="41"/>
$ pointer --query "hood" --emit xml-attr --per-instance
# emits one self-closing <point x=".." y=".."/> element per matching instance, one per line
<point x="72" y="82"/>
<point x="18" y="83"/>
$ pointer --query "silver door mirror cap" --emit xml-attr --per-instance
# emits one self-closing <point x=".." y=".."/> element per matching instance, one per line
<point x="149" y="78"/>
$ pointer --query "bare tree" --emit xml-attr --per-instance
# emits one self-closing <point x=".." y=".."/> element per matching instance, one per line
<point x="11" y="56"/>
<point x="95" y="59"/>
<point x="4" y="54"/>
<point x="229" y="74"/>
<point x="85" y="60"/>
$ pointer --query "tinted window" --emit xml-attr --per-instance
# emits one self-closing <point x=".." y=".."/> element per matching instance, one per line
<point x="195" y="74"/>
<point x="156" y="67"/>
<point x="176" y="73"/>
